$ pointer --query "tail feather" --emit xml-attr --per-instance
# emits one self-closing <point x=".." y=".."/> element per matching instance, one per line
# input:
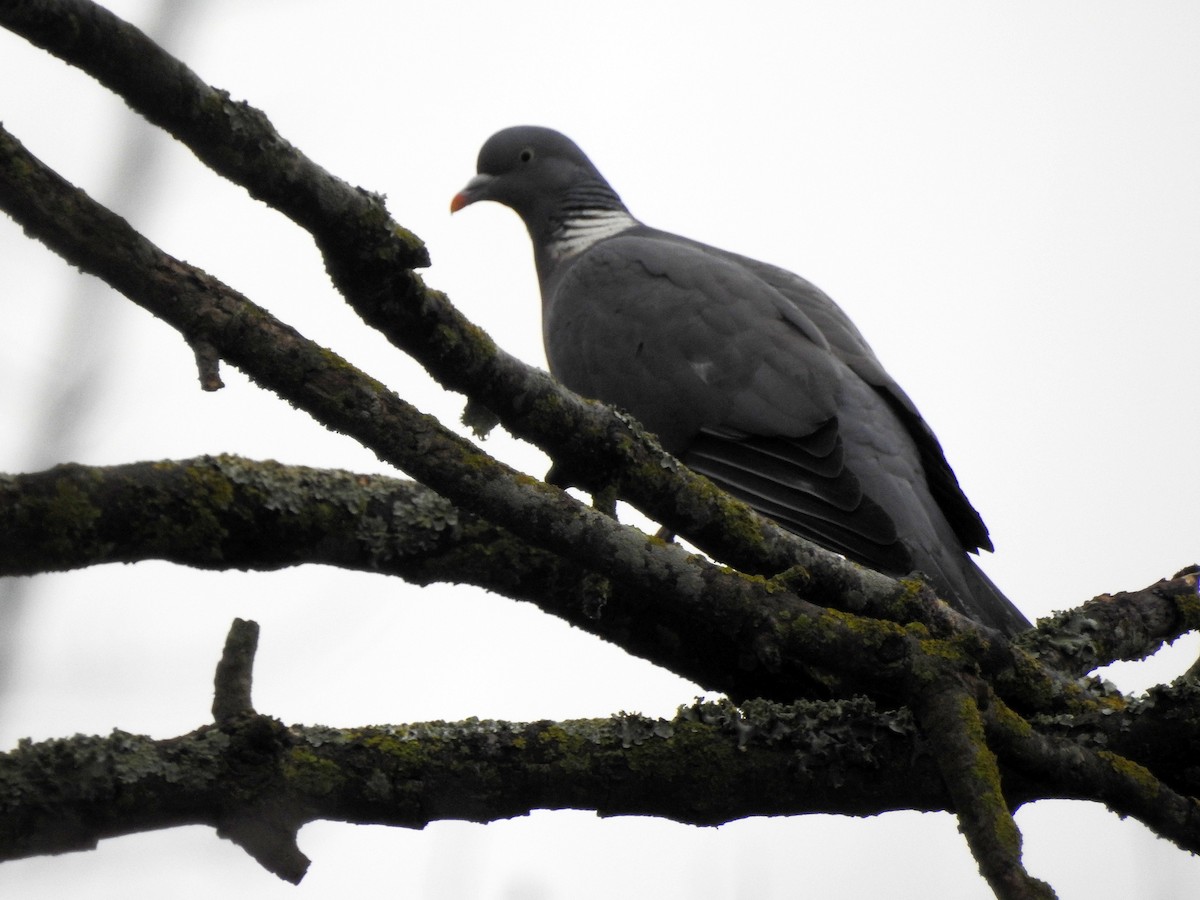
<point x="986" y="603"/>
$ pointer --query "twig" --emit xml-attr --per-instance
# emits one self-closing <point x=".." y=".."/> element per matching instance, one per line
<point x="950" y="721"/>
<point x="235" y="673"/>
<point x="1125" y="625"/>
<point x="1127" y="788"/>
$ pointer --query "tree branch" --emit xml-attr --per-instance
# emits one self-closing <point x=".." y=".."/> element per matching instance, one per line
<point x="235" y="674"/>
<point x="1124" y="625"/>
<point x="223" y="511"/>
<point x="257" y="782"/>
<point x="227" y="512"/>
<point x="1123" y="785"/>
<point x="950" y="720"/>
<point x="248" y="775"/>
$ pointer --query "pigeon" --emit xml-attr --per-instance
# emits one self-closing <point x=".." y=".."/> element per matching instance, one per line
<point x="749" y="374"/>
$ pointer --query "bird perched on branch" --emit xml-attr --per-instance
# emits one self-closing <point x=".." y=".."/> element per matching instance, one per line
<point x="749" y="374"/>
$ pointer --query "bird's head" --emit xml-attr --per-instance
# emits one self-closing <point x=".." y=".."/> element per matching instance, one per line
<point x="539" y="173"/>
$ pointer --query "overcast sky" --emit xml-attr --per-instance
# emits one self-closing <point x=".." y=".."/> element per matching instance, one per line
<point x="1005" y="198"/>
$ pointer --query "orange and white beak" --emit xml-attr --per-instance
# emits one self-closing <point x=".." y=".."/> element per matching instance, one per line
<point x="476" y="189"/>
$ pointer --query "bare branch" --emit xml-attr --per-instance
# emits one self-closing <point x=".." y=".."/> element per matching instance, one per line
<point x="235" y="673"/>
<point x="208" y="366"/>
<point x="227" y="512"/>
<point x="259" y="782"/>
<point x="1122" y="784"/>
<point x="1124" y="625"/>
<point x="949" y="718"/>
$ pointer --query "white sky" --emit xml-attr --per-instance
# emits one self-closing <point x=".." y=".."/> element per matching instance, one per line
<point x="1004" y="197"/>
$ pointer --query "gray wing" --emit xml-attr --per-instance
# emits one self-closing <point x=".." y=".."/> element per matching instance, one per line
<point x="735" y="379"/>
<point x="850" y="346"/>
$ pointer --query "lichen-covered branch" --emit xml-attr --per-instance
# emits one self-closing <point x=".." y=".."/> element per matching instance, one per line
<point x="1161" y="730"/>
<point x="948" y="715"/>
<point x="1124" y="625"/>
<point x="708" y="765"/>
<point x="200" y="510"/>
<point x="258" y="781"/>
<point x="1082" y="772"/>
<point x="228" y="512"/>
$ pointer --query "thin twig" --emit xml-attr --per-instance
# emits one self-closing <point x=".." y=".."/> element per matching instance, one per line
<point x="235" y="673"/>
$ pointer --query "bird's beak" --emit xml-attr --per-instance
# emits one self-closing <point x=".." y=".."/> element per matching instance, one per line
<point x="475" y="190"/>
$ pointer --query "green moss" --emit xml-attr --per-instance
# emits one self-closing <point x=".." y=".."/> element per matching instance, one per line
<point x="546" y="412"/>
<point x="794" y="579"/>
<point x="1014" y="723"/>
<point x="558" y="738"/>
<point x="986" y="810"/>
<point x="690" y="749"/>
<point x="833" y="629"/>
<point x="759" y="582"/>
<point x="1188" y="604"/>
<point x="164" y="528"/>
<point x="310" y="774"/>
<point x="212" y="482"/>
<point x="465" y="338"/>
<point x="1150" y="786"/>
<point x="68" y="513"/>
<point x="739" y="526"/>
<point x="402" y="749"/>
<point x="947" y="650"/>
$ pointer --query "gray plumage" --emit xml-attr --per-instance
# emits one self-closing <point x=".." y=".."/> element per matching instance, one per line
<point x="747" y="372"/>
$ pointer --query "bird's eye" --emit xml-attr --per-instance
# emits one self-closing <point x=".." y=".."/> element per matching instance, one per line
<point x="526" y="155"/>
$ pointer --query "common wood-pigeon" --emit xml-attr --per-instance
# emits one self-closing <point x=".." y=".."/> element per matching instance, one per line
<point x="748" y="373"/>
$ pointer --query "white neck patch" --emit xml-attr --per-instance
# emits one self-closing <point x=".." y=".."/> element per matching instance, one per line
<point x="584" y="229"/>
